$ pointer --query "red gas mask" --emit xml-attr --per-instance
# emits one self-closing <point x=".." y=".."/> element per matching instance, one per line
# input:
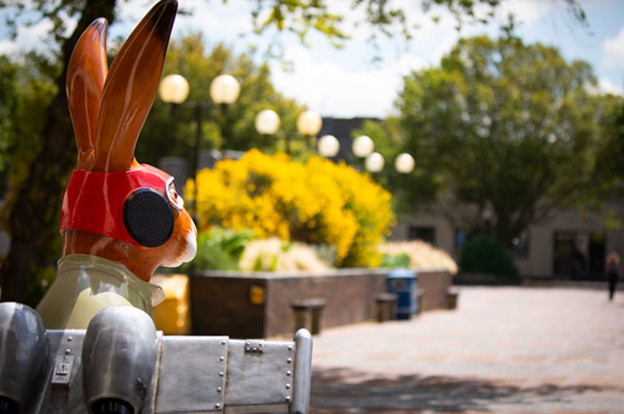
<point x="137" y="206"/>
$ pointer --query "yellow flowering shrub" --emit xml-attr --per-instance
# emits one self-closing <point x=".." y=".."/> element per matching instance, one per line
<point x="317" y="202"/>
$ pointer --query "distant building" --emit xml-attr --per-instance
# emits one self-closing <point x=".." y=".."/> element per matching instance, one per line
<point x="568" y="246"/>
<point x="342" y="129"/>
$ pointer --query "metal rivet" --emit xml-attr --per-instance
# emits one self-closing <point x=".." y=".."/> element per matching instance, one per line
<point x="290" y="347"/>
<point x="288" y="373"/>
<point x="289" y="360"/>
<point x="69" y="339"/>
<point x="287" y="386"/>
<point x="217" y="405"/>
<point x="287" y="398"/>
<point x="221" y="374"/>
<point x="223" y="342"/>
<point x="219" y="389"/>
<point x="67" y="351"/>
<point x="222" y="359"/>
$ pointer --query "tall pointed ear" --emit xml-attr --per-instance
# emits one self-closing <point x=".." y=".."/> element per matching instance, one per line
<point x="131" y="87"/>
<point x="86" y="74"/>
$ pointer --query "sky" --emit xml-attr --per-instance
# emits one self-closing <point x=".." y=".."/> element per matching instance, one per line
<point x="348" y="82"/>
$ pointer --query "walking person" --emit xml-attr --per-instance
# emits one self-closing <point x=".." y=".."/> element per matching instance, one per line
<point x="612" y="269"/>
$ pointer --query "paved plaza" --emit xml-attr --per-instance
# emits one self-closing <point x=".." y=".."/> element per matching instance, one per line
<point x="504" y="350"/>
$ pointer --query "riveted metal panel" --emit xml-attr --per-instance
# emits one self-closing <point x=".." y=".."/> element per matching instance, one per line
<point x="62" y="390"/>
<point x="257" y="379"/>
<point x="192" y="374"/>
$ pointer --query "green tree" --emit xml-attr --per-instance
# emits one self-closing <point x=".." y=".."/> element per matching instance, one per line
<point x="171" y="130"/>
<point x="32" y="216"/>
<point x="609" y="172"/>
<point x="507" y="133"/>
<point x="409" y="191"/>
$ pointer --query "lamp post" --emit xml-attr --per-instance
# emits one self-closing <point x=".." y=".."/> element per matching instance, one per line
<point x="224" y="91"/>
<point x="309" y="123"/>
<point x="174" y="89"/>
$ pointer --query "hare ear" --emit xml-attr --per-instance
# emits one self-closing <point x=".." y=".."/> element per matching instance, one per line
<point x="86" y="74"/>
<point x="131" y="87"/>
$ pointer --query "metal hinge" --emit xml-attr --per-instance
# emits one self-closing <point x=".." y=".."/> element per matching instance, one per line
<point x="254" y="346"/>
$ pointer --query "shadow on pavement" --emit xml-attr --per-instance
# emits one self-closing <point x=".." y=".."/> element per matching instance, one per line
<point x="347" y="391"/>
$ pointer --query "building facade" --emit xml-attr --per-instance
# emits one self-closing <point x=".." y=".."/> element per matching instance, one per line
<point x="569" y="246"/>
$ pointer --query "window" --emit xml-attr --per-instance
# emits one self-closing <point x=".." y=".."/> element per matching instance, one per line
<point x="426" y="234"/>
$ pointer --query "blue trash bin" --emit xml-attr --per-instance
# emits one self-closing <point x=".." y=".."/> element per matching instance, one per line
<point x="402" y="282"/>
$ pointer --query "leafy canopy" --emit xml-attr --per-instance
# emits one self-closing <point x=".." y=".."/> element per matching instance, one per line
<point x="504" y="131"/>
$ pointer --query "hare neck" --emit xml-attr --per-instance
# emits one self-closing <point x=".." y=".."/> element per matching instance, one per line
<point x="142" y="263"/>
<point x="85" y="284"/>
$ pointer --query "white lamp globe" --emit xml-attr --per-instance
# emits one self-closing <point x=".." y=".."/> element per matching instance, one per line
<point x="328" y="146"/>
<point x="362" y="146"/>
<point x="224" y="89"/>
<point x="174" y="89"/>
<point x="404" y="163"/>
<point x="267" y="122"/>
<point x="309" y="123"/>
<point x="374" y="162"/>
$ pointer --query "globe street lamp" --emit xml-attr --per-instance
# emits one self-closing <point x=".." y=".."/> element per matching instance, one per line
<point x="374" y="162"/>
<point x="328" y="146"/>
<point x="267" y="122"/>
<point x="362" y="146"/>
<point x="309" y="123"/>
<point x="174" y="89"/>
<point x="404" y="163"/>
<point x="224" y="90"/>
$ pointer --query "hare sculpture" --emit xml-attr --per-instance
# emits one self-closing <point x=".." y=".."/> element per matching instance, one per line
<point x="120" y="220"/>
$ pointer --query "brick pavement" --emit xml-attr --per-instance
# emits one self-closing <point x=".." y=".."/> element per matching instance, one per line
<point x="504" y="350"/>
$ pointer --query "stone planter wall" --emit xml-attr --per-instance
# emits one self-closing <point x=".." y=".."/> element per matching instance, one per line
<point x="258" y="305"/>
<point x="435" y="284"/>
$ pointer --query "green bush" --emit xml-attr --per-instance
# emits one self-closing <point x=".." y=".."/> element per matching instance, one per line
<point x="317" y="202"/>
<point x="220" y="249"/>
<point x="484" y="254"/>
<point x="395" y="260"/>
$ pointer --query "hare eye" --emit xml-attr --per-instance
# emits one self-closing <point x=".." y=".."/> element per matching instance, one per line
<point x="175" y="200"/>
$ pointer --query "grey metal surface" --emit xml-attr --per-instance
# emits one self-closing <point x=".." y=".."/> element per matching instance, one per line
<point x="22" y="341"/>
<point x="256" y="379"/>
<point x="187" y="374"/>
<point x="56" y="395"/>
<point x="303" y="372"/>
<point x="192" y="374"/>
<point x="119" y="356"/>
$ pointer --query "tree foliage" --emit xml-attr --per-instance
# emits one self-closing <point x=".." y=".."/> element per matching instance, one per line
<point x="171" y="131"/>
<point x="32" y="219"/>
<point x="507" y="132"/>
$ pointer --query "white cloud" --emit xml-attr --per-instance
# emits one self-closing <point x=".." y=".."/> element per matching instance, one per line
<point x="525" y="11"/>
<point x="32" y="37"/>
<point x="607" y="86"/>
<point x="330" y="89"/>
<point x="613" y="50"/>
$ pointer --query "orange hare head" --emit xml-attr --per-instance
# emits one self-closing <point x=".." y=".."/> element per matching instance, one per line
<point x="115" y="207"/>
